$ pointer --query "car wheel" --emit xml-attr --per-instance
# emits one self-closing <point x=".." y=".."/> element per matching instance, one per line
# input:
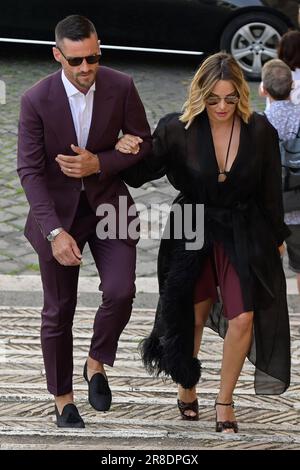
<point x="252" y="39"/>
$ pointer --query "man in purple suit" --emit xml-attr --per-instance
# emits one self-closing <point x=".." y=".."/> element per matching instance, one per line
<point x="69" y="124"/>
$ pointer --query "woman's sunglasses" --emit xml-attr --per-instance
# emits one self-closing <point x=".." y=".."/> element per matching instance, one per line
<point x="229" y="99"/>
<point x="75" y="61"/>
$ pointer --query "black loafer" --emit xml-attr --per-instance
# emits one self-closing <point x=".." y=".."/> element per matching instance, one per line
<point x="69" y="418"/>
<point x="99" y="391"/>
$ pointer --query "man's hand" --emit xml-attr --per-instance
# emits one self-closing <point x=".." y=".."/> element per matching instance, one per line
<point x="129" y="144"/>
<point x="85" y="163"/>
<point x="65" y="250"/>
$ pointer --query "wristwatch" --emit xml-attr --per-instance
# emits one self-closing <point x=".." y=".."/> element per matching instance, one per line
<point x="53" y="234"/>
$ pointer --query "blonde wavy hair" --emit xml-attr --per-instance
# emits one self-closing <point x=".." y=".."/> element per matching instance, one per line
<point x="220" y="66"/>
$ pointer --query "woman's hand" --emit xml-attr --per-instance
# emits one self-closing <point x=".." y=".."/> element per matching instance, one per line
<point x="281" y="249"/>
<point x="129" y="144"/>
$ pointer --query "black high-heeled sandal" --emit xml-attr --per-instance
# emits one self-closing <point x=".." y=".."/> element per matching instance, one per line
<point x="189" y="407"/>
<point x="224" y="425"/>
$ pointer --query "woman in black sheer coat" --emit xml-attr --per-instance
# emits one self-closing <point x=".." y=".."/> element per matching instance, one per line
<point x="219" y="154"/>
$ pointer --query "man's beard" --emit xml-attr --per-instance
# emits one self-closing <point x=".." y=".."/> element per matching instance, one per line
<point x="85" y="84"/>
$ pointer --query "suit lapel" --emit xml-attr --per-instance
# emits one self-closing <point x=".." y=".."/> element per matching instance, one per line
<point x="60" y="113"/>
<point x="60" y="116"/>
<point x="102" y="110"/>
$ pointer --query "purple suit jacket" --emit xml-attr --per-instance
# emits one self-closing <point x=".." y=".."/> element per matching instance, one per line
<point x="46" y="129"/>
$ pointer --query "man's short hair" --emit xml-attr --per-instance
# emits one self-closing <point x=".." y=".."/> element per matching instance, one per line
<point x="277" y="79"/>
<point x="75" y="28"/>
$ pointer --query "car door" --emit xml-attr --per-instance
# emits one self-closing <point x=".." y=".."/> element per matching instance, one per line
<point x="163" y="24"/>
<point x="36" y="19"/>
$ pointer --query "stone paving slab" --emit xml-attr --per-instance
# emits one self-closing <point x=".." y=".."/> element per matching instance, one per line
<point x="144" y="413"/>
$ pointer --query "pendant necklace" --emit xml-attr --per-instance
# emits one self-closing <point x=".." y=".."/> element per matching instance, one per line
<point x="223" y="174"/>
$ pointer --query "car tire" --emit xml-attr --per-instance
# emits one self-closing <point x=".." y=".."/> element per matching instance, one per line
<point x="241" y="38"/>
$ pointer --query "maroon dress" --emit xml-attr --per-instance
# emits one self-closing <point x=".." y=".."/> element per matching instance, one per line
<point x="220" y="272"/>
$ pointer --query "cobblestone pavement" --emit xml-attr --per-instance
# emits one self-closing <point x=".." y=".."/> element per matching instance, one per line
<point x="162" y="83"/>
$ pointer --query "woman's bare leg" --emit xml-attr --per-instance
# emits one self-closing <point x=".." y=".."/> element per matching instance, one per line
<point x="201" y="309"/>
<point x="236" y="346"/>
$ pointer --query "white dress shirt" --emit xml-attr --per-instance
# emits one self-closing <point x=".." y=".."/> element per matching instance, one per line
<point x="81" y="108"/>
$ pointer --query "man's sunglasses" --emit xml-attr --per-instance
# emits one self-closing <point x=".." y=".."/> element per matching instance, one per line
<point x="75" y="61"/>
<point x="229" y="99"/>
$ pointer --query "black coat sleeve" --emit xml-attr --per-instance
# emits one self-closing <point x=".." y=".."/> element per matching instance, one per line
<point x="156" y="163"/>
<point x="271" y="184"/>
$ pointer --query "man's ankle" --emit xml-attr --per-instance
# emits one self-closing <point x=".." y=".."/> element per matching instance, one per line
<point x="94" y="366"/>
<point x="62" y="400"/>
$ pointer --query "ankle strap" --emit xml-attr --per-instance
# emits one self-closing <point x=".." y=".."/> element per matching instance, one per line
<point x="225" y="404"/>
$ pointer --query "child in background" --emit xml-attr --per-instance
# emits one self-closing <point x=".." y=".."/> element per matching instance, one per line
<point x="284" y="115"/>
<point x="289" y="52"/>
